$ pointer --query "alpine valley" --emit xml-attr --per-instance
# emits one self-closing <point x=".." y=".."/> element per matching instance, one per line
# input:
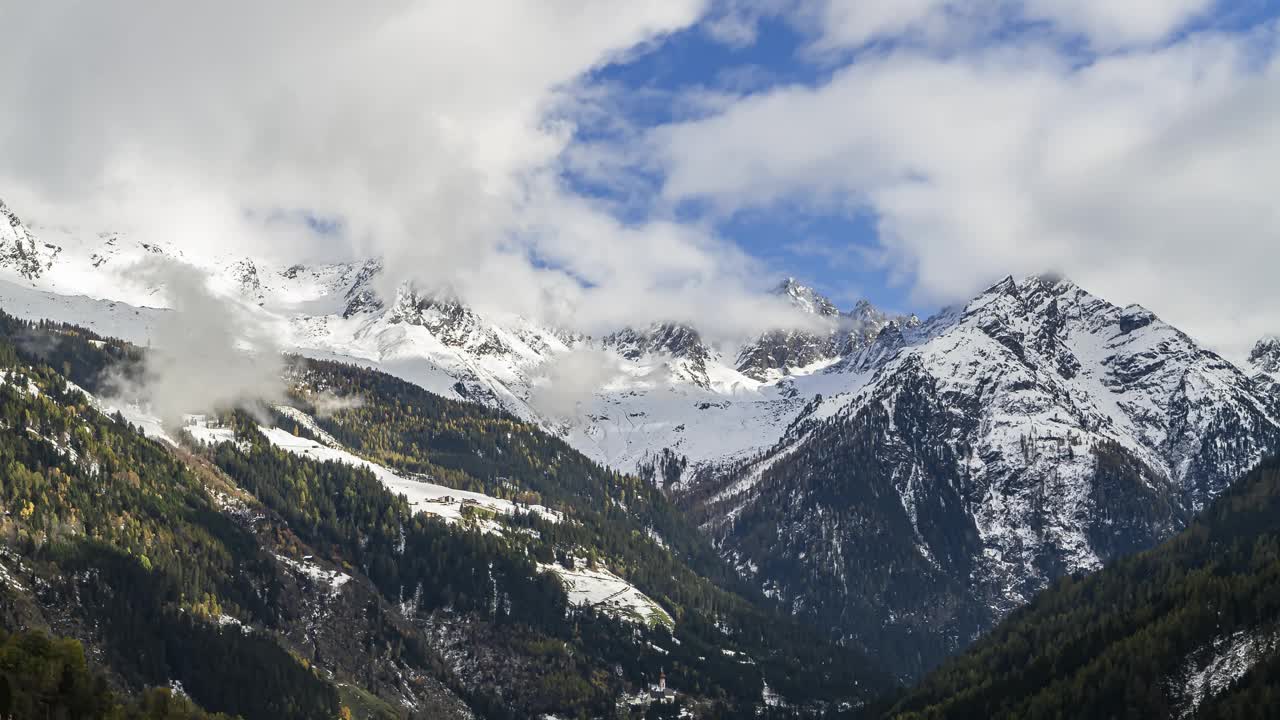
<point x="437" y="519"/>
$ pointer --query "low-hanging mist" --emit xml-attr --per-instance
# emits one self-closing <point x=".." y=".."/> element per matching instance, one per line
<point x="207" y="353"/>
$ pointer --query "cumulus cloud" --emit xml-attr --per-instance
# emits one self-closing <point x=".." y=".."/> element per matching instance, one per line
<point x="429" y="133"/>
<point x="206" y="353"/>
<point x="1145" y="175"/>
<point x="437" y="136"/>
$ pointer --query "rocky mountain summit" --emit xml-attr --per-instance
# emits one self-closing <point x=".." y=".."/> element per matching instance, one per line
<point x="1264" y="361"/>
<point x="1036" y="431"/>
<point x="19" y="250"/>
<point x="779" y="353"/>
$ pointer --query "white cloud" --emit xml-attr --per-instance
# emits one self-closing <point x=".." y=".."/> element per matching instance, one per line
<point x="571" y="379"/>
<point x="208" y="356"/>
<point x="850" y="24"/>
<point x="436" y="132"/>
<point x="1112" y="24"/>
<point x="1106" y="24"/>
<point x="1146" y="175"/>
<point x="432" y="130"/>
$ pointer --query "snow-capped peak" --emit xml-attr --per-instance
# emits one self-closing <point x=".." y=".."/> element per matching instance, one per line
<point x="1266" y="355"/>
<point x="806" y="299"/>
<point x="675" y="339"/>
<point x="19" y="249"/>
<point x="1264" y="362"/>
<point x="1036" y="430"/>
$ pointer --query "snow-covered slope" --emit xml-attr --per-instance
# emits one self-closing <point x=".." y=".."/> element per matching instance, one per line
<point x="587" y="585"/>
<point x="606" y="593"/>
<point x="424" y="496"/>
<point x="448" y="504"/>
<point x="1206" y="673"/>
<point x="659" y="387"/>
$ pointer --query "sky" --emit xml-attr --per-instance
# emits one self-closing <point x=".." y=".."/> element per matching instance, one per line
<point x="597" y="164"/>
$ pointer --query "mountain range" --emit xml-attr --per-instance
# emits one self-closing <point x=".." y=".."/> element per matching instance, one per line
<point x="901" y="484"/>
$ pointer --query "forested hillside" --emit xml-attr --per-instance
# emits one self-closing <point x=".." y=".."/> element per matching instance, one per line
<point x="1189" y="629"/>
<point x="120" y="540"/>
<point x="722" y="645"/>
<point x="472" y="447"/>
<point x="268" y="584"/>
<point x="43" y="677"/>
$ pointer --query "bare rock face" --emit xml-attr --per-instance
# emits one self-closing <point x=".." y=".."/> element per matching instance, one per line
<point x="19" y="249"/>
<point x="679" y="346"/>
<point x="1264" y="361"/>
<point x="779" y="353"/>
